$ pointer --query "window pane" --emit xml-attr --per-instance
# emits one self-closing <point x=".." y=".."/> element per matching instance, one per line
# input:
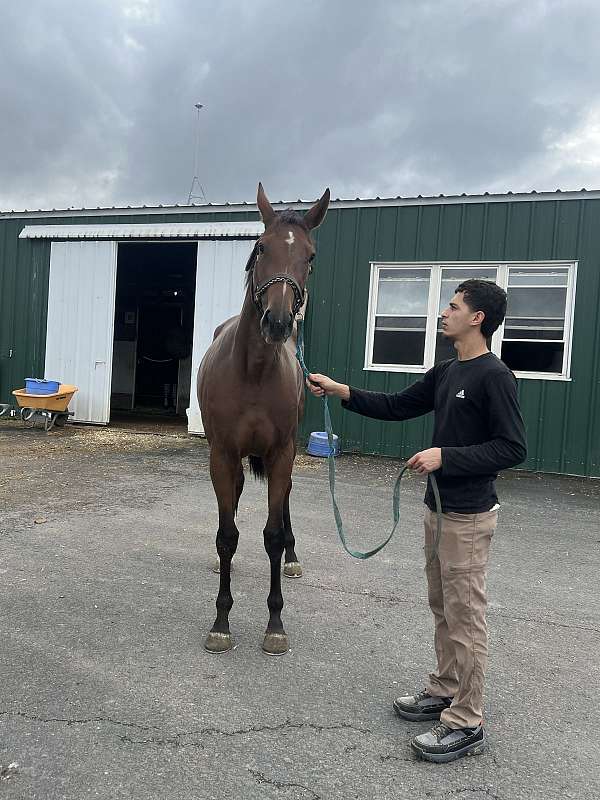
<point x="533" y="333"/>
<point x="405" y="294"/>
<point x="402" y="273"/>
<point x="399" y="347"/>
<point x="533" y="356"/>
<point x="401" y="323"/>
<point x="532" y="328"/>
<point x="537" y="302"/>
<point x="519" y="276"/>
<point x="535" y="322"/>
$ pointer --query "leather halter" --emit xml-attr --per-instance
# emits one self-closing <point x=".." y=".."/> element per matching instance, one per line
<point x="298" y="292"/>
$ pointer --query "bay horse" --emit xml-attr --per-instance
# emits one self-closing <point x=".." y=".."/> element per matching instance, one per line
<point x="251" y="395"/>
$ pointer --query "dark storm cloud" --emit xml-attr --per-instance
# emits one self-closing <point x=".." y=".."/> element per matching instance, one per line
<point x="384" y="98"/>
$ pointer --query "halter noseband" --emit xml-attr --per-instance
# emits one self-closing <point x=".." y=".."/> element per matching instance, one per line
<point x="298" y="292"/>
<point x="282" y="278"/>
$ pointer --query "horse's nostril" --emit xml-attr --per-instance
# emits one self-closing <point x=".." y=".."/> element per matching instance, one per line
<point x="276" y="327"/>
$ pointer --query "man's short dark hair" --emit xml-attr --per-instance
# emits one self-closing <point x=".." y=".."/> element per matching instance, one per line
<point x="488" y="297"/>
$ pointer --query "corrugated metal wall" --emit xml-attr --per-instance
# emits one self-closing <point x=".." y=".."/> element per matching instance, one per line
<point x="562" y="418"/>
<point x="24" y="272"/>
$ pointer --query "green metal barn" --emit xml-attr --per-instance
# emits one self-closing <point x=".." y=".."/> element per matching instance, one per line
<point x="122" y="303"/>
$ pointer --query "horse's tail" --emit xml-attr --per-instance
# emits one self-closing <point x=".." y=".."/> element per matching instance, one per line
<point x="257" y="467"/>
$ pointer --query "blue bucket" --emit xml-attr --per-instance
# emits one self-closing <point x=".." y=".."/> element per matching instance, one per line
<point x="318" y="445"/>
<point x="40" y="386"/>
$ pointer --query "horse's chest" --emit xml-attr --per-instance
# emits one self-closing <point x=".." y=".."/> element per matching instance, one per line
<point x="271" y="403"/>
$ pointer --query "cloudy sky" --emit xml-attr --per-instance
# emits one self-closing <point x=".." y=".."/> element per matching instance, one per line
<point x="378" y="98"/>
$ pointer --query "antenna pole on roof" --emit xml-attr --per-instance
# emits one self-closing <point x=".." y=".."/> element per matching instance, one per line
<point x="199" y="193"/>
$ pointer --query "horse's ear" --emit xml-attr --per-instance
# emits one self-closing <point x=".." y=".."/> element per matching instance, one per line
<point x="315" y="215"/>
<point x="265" y="208"/>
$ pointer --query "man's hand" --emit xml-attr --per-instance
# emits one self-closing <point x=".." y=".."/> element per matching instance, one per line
<point x="320" y="385"/>
<point x="426" y="461"/>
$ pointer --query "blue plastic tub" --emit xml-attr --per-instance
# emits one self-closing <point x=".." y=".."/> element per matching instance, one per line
<point x="41" y="386"/>
<point x="318" y="445"/>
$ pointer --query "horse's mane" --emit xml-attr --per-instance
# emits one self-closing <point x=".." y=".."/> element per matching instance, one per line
<point x="287" y="217"/>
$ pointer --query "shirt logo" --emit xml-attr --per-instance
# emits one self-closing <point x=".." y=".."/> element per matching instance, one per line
<point x="461" y="394"/>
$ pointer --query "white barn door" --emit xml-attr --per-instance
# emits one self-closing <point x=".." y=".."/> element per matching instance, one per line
<point x="219" y="295"/>
<point x="79" y="333"/>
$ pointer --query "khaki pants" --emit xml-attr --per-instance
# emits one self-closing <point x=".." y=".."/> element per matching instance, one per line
<point x="457" y="597"/>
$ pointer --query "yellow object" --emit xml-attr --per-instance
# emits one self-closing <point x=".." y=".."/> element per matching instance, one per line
<point x="58" y="401"/>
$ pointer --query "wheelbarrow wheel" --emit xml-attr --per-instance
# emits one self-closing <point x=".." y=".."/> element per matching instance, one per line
<point x="61" y="420"/>
<point x="27" y="414"/>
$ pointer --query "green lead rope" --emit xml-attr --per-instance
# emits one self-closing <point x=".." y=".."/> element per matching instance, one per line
<point x="331" y="464"/>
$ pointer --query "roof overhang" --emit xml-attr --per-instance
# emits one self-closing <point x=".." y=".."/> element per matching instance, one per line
<point x="300" y="205"/>
<point x="181" y="230"/>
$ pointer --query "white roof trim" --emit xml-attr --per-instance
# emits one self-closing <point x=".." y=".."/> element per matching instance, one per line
<point x="180" y="230"/>
<point x="300" y="205"/>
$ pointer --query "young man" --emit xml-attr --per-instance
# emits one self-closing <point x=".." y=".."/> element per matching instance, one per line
<point x="478" y="431"/>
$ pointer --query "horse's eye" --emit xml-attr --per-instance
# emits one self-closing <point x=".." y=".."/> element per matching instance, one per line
<point x="311" y="258"/>
<point x="261" y="247"/>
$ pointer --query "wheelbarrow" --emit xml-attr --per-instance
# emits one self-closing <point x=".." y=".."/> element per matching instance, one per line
<point x="48" y="409"/>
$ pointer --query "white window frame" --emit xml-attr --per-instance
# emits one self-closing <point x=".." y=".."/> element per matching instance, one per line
<point x="502" y="274"/>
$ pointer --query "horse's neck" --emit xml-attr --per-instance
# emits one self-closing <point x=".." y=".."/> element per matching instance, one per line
<point x="255" y="357"/>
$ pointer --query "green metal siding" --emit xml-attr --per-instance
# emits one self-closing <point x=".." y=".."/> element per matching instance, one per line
<point x="23" y="304"/>
<point x="24" y="273"/>
<point x="562" y="418"/>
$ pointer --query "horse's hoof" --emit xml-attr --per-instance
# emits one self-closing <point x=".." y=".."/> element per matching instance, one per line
<point x="217" y="567"/>
<point x="218" y="642"/>
<point x="293" y="569"/>
<point x="275" y="644"/>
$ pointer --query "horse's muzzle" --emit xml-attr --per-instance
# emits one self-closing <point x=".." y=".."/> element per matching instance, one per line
<point x="274" y="329"/>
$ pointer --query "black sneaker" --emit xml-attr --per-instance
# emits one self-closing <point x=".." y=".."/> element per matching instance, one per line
<point x="422" y="706"/>
<point x="442" y="744"/>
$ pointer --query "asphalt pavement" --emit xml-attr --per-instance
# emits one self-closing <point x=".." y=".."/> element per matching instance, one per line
<point x="106" y="590"/>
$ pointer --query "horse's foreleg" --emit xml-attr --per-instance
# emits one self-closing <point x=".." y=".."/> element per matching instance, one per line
<point x="239" y="488"/>
<point x="223" y="472"/>
<point x="291" y="565"/>
<point x="279" y="474"/>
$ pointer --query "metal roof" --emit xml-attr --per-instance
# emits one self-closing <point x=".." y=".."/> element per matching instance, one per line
<point x="358" y="202"/>
<point x="178" y="230"/>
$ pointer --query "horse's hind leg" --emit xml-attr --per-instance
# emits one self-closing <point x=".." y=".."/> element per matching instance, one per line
<point x="223" y="474"/>
<point x="279" y="473"/>
<point x="291" y="565"/>
<point x="239" y="488"/>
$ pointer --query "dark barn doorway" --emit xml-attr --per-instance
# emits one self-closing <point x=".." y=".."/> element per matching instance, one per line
<point x="154" y="324"/>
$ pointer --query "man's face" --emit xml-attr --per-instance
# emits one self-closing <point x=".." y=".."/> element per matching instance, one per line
<point x="458" y="319"/>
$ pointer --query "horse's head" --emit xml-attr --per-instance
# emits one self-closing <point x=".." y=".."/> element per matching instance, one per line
<point x="280" y="264"/>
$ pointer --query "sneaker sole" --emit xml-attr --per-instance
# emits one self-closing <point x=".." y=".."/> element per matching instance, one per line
<point x="415" y="717"/>
<point x="445" y="758"/>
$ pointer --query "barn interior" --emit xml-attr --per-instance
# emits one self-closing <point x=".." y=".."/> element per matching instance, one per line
<point x="153" y="332"/>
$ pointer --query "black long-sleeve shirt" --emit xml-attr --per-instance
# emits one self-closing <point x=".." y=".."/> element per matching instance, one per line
<point x="478" y="426"/>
